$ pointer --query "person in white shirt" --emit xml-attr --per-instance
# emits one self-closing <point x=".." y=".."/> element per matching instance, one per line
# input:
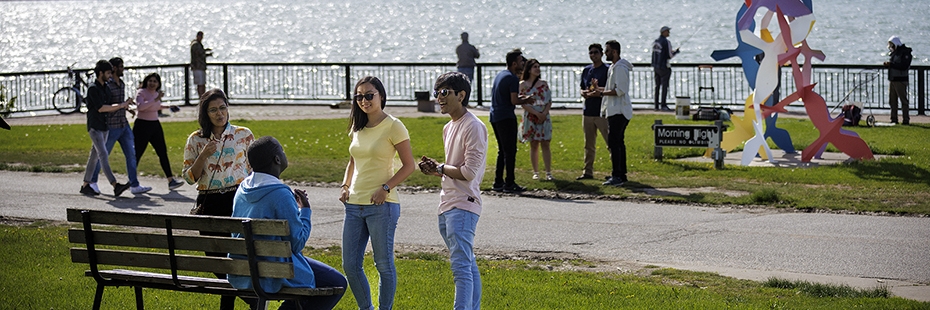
<point x="618" y="109"/>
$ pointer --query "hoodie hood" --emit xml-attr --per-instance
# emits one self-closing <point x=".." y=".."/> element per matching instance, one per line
<point x="623" y="62"/>
<point x="258" y="184"/>
<point x="895" y="40"/>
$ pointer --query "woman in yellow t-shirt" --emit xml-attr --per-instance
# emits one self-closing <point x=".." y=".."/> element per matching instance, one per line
<point x="372" y="206"/>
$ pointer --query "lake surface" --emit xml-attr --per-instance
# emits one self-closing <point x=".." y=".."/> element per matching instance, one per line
<point x="50" y="35"/>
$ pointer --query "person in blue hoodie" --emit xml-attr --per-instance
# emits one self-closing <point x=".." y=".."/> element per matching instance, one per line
<point x="262" y="195"/>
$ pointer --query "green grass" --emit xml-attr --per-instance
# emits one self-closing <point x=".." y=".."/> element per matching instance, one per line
<point x="317" y="150"/>
<point x="42" y="277"/>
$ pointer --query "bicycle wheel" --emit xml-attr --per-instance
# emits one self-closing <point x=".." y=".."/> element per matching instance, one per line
<point x="66" y="100"/>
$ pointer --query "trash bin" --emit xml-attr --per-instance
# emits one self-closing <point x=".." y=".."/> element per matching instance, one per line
<point x="423" y="102"/>
<point x="682" y="107"/>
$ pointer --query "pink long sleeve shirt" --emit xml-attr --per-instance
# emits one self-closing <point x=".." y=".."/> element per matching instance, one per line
<point x="466" y="144"/>
<point x="147" y="106"/>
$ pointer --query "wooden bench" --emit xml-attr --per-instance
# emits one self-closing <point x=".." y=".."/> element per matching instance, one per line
<point x="151" y="241"/>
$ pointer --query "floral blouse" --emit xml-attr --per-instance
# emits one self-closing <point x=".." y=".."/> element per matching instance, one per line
<point x="228" y="166"/>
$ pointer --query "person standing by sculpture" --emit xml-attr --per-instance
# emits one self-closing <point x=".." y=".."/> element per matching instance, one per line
<point x="898" y="65"/>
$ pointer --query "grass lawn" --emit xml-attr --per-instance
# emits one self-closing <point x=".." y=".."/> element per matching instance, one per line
<point x="43" y="277"/>
<point x="317" y="150"/>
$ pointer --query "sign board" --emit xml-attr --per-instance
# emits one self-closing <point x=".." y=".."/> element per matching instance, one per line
<point x="687" y="136"/>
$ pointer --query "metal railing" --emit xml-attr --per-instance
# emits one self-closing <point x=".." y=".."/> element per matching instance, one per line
<point x="317" y="83"/>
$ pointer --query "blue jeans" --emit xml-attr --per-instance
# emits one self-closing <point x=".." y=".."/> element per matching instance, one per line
<point x="457" y="227"/>
<point x="325" y="276"/>
<point x="377" y="222"/>
<point x="128" y="144"/>
<point x="469" y="72"/>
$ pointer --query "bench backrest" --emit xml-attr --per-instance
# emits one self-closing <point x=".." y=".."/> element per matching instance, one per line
<point x="123" y="243"/>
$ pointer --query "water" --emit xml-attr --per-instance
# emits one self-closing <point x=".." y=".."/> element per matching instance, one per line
<point x="50" y="35"/>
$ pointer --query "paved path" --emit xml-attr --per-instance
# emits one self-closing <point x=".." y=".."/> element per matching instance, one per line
<point x="858" y="250"/>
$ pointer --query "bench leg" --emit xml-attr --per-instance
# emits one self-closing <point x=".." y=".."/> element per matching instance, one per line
<point x="139" y="305"/>
<point x="98" y="296"/>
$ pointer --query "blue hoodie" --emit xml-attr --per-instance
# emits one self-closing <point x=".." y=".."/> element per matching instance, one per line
<point x="263" y="196"/>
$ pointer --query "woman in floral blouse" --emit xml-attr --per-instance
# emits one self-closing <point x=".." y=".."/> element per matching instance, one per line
<point x="537" y="125"/>
<point x="215" y="159"/>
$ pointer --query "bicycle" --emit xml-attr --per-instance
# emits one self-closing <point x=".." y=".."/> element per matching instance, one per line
<point x="70" y="99"/>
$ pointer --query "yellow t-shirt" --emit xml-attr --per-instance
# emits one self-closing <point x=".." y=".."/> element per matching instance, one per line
<point x="374" y="153"/>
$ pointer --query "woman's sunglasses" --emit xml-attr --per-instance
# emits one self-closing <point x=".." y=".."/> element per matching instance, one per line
<point x="368" y="97"/>
<point x="442" y="92"/>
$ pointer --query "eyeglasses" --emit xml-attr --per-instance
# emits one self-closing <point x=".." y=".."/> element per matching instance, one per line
<point x="214" y="110"/>
<point x="369" y="97"/>
<point x="442" y="92"/>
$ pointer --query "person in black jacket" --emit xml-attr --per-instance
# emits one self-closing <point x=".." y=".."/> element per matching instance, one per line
<point x="661" y="54"/>
<point x="898" y="65"/>
<point x="98" y="105"/>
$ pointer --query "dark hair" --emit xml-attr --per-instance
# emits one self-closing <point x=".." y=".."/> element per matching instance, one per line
<point x="206" y="126"/>
<point x="102" y="65"/>
<point x="261" y="153"/>
<point x="614" y="45"/>
<point x="513" y="56"/>
<point x="116" y="61"/>
<point x="527" y="68"/>
<point x="357" y="118"/>
<point x="144" y="82"/>
<point x="597" y="46"/>
<point x="457" y="81"/>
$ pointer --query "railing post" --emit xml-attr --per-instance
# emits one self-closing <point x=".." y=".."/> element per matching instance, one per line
<point x="348" y="83"/>
<point x="921" y="92"/>
<point x="226" y="80"/>
<point x="187" y="85"/>
<point x="477" y="82"/>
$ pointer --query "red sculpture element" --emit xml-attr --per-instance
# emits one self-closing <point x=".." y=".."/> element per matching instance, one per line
<point x="830" y="128"/>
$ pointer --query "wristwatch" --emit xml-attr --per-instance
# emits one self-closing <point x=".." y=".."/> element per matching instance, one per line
<point x="441" y="169"/>
<point x="386" y="188"/>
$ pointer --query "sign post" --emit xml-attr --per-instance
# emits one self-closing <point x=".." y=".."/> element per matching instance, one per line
<point x="702" y="136"/>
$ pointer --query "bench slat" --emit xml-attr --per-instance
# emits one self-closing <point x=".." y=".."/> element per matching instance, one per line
<point x="189" y="242"/>
<point x="164" y="279"/>
<point x="189" y="222"/>
<point x="185" y="262"/>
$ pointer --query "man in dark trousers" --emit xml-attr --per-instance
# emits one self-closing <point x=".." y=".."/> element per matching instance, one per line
<point x="898" y="66"/>
<point x="503" y="101"/>
<point x="661" y="54"/>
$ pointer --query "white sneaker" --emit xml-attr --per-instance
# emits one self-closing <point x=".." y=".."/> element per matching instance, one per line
<point x="95" y="188"/>
<point x="535" y="176"/>
<point x="135" y="190"/>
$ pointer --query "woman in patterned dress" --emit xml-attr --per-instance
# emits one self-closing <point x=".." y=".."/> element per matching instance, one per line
<point x="537" y="125"/>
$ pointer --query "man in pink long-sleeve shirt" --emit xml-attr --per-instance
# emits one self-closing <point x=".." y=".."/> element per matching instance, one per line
<point x="465" y="140"/>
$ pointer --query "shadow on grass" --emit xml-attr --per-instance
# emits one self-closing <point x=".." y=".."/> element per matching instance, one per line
<point x="892" y="171"/>
<point x="146" y="203"/>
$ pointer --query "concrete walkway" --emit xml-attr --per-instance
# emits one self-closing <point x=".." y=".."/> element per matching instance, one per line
<point x="857" y="250"/>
